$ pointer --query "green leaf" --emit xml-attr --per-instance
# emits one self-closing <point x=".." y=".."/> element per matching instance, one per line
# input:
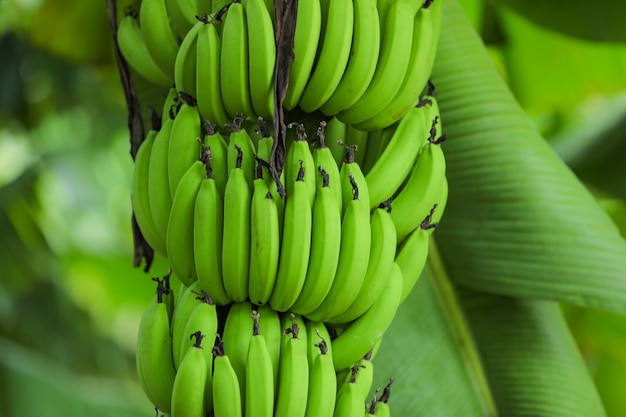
<point x="531" y="360"/>
<point x="518" y="222"/>
<point x="602" y="20"/>
<point x="431" y="356"/>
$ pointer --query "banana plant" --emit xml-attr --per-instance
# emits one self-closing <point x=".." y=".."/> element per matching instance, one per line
<point x="482" y="333"/>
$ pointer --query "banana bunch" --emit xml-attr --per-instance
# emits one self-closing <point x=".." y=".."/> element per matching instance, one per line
<point x="363" y="61"/>
<point x="195" y="358"/>
<point x="327" y="250"/>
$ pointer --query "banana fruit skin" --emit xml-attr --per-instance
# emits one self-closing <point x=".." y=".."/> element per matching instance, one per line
<point x="188" y="392"/>
<point x="259" y="375"/>
<point x="293" y="376"/>
<point x="133" y="47"/>
<point x="158" y="35"/>
<point x="153" y="354"/>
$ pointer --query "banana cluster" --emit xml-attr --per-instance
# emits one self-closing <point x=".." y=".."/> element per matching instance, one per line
<point x="346" y="235"/>
<point x="198" y="359"/>
<point x="363" y="61"/>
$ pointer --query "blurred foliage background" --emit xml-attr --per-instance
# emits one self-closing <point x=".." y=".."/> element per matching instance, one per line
<point x="70" y="300"/>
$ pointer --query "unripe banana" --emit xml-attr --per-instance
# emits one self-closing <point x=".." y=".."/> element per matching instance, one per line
<point x="236" y="337"/>
<point x="208" y="73"/>
<point x="299" y="155"/>
<point x="235" y="84"/>
<point x="422" y="188"/>
<point x="295" y="247"/>
<point x="325" y="249"/>
<point x="158" y="35"/>
<point x="396" y="39"/>
<point x="180" y="229"/>
<point x="182" y="15"/>
<point x="184" y="147"/>
<point x="332" y="58"/>
<point x="323" y="157"/>
<point x="362" y="334"/>
<point x="262" y="55"/>
<point x="396" y="161"/>
<point x="133" y="47"/>
<point x="185" y="64"/>
<point x="203" y="318"/>
<point x="158" y="183"/>
<point x="259" y="374"/>
<point x="270" y="323"/>
<point x="140" y="197"/>
<point x="336" y="131"/>
<point x="382" y="255"/>
<point x="355" y="247"/>
<point x="239" y="137"/>
<point x="189" y="300"/>
<point x="358" y="139"/>
<point x="316" y="333"/>
<point x="322" y="384"/>
<point x="153" y="354"/>
<point x="219" y="159"/>
<point x="291" y="400"/>
<point x="236" y="233"/>
<point x="207" y="238"/>
<point x="264" y="241"/>
<point x="382" y="407"/>
<point x="188" y="393"/>
<point x="350" y="168"/>
<point x="226" y="393"/>
<point x="350" y="398"/>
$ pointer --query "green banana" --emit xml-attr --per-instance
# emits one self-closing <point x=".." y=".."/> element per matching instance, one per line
<point x="259" y="374"/>
<point x="322" y="384"/>
<point x="182" y="15"/>
<point x="358" y="139"/>
<point x="208" y="74"/>
<point x="317" y="334"/>
<point x="140" y="197"/>
<point x="350" y="169"/>
<point x="235" y="84"/>
<point x="188" y="392"/>
<point x="332" y="58"/>
<point x="184" y="146"/>
<point x="219" y="159"/>
<point x="236" y="337"/>
<point x="421" y="189"/>
<point x="365" y="375"/>
<point x="335" y="133"/>
<point x="226" y="393"/>
<point x="398" y="157"/>
<point x="299" y="155"/>
<point x="270" y="323"/>
<point x="325" y="248"/>
<point x="382" y="255"/>
<point x="355" y="247"/>
<point x="396" y="39"/>
<point x="189" y="300"/>
<point x="382" y="408"/>
<point x="180" y="229"/>
<point x="207" y="239"/>
<point x="159" y="195"/>
<point x="413" y="252"/>
<point x="262" y="55"/>
<point x="363" y="59"/>
<point x="295" y="246"/>
<point x="323" y="157"/>
<point x="153" y="354"/>
<point x="236" y="233"/>
<point x="363" y="333"/>
<point x="134" y="50"/>
<point x="264" y="241"/>
<point x="425" y="37"/>
<point x="306" y="39"/>
<point x="185" y="64"/>
<point x="239" y="138"/>
<point x="158" y="35"/>
<point x="203" y="318"/>
<point x="350" y="398"/>
<point x="291" y="400"/>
